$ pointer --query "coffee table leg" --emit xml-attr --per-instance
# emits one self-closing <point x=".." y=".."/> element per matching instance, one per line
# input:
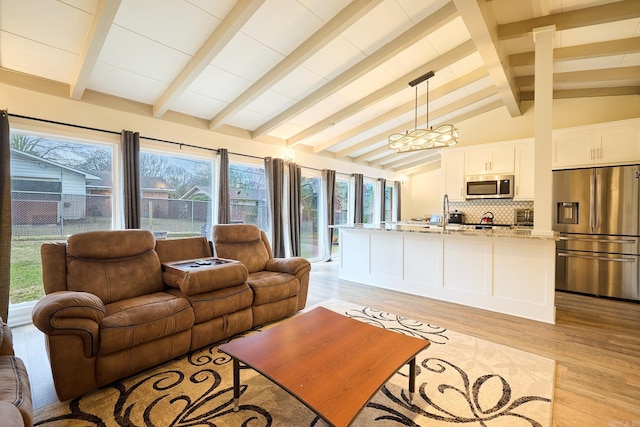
<point x="236" y="384"/>
<point x="412" y="378"/>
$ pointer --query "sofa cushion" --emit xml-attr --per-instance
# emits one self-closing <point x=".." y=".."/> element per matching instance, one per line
<point x="138" y="320"/>
<point x="15" y="389"/>
<point x="187" y="248"/>
<point x="95" y="266"/>
<point x="242" y="242"/>
<point x="209" y="305"/>
<point x="268" y="286"/>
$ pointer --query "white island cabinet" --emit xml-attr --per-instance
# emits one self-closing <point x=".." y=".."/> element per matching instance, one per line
<point x="506" y="271"/>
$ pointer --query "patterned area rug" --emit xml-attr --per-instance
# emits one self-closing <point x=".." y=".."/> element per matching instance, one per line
<point x="461" y="381"/>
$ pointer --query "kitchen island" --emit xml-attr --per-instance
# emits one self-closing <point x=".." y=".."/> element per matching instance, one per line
<point x="504" y="270"/>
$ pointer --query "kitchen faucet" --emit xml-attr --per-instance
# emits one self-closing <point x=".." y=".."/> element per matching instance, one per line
<point x="445" y="212"/>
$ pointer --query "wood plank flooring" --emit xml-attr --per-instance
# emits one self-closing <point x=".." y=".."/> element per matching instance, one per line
<point x="595" y="341"/>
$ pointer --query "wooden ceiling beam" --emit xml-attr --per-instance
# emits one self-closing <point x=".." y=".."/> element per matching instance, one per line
<point x="610" y="12"/>
<point x="100" y="26"/>
<point x="241" y="12"/>
<point x="479" y="19"/>
<point x="587" y="93"/>
<point x="585" y="51"/>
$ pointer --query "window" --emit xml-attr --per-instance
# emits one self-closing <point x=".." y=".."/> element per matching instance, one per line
<point x="368" y="201"/>
<point x="58" y="188"/>
<point x="176" y="194"/>
<point x="388" y="202"/>
<point x="248" y="195"/>
<point x="309" y="201"/>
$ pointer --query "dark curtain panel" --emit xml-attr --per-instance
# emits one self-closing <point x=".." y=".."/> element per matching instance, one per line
<point x="131" y="168"/>
<point x="295" y="178"/>
<point x="224" y="214"/>
<point x="381" y="195"/>
<point x="5" y="214"/>
<point x="397" y="199"/>
<point x="274" y="173"/>
<point x="358" y="196"/>
<point x="329" y="181"/>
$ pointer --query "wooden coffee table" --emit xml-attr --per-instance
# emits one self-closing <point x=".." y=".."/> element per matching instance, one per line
<point x="330" y="362"/>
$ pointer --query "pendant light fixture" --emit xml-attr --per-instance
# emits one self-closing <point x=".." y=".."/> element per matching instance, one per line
<point x="423" y="139"/>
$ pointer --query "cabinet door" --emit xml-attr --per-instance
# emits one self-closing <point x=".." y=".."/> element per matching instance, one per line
<point x="573" y="150"/>
<point x="501" y="160"/>
<point x="489" y="161"/>
<point x="476" y="162"/>
<point x="618" y="147"/>
<point x="453" y="166"/>
<point x="524" y="174"/>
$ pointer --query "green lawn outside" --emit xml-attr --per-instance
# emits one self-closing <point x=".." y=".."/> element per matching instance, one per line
<point x="26" y="271"/>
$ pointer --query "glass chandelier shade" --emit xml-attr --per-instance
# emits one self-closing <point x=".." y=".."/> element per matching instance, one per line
<point x="423" y="139"/>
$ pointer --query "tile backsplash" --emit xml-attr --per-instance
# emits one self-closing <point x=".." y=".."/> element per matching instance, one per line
<point x="503" y="209"/>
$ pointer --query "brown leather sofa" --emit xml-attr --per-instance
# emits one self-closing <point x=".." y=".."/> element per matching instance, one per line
<point x="16" y="408"/>
<point x="279" y="285"/>
<point x="110" y="311"/>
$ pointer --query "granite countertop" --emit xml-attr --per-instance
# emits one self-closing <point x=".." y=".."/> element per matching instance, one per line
<point x="453" y="229"/>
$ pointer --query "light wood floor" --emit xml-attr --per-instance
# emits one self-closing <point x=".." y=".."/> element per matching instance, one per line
<point x="595" y="341"/>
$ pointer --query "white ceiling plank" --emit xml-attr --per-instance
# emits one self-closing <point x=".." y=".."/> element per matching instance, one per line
<point x="479" y="20"/>
<point x="426" y="26"/>
<point x="230" y="25"/>
<point x="346" y="17"/>
<point x="102" y="22"/>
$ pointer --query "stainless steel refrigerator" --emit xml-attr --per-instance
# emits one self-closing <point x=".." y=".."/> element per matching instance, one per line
<point x="597" y="215"/>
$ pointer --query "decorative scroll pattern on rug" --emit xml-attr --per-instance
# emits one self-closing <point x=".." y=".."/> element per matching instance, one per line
<point x="461" y="381"/>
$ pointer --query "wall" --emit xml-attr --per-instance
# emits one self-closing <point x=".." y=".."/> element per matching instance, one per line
<point x="122" y="114"/>
<point x="423" y="193"/>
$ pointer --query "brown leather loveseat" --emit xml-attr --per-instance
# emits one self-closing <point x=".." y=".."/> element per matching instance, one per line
<point x="110" y="312"/>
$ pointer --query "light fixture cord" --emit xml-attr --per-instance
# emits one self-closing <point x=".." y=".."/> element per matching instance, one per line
<point x="427" y="104"/>
<point x="415" y="120"/>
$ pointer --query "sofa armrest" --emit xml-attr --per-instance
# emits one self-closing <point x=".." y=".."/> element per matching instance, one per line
<point x="295" y="266"/>
<point x="6" y="342"/>
<point x="10" y="415"/>
<point x="71" y="313"/>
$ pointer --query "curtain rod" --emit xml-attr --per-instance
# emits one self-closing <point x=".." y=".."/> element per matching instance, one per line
<point x="143" y="137"/>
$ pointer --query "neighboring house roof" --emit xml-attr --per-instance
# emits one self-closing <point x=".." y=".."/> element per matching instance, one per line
<point x="195" y="190"/>
<point x="33" y="158"/>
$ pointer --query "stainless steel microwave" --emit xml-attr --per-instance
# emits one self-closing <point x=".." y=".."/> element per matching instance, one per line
<point x="489" y="187"/>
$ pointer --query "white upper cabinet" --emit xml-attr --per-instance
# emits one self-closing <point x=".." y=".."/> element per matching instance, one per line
<point x="490" y="160"/>
<point x="608" y="144"/>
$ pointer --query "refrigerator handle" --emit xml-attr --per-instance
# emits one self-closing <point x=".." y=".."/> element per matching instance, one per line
<point x="619" y="259"/>
<point x="592" y="201"/>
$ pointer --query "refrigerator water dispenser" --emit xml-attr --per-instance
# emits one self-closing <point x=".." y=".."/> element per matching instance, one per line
<point x="568" y="212"/>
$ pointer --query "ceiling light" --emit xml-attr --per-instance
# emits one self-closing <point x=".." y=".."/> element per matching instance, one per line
<point x="423" y="139"/>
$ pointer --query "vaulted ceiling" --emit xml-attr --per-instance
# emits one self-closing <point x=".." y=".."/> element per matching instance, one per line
<point x="325" y="76"/>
